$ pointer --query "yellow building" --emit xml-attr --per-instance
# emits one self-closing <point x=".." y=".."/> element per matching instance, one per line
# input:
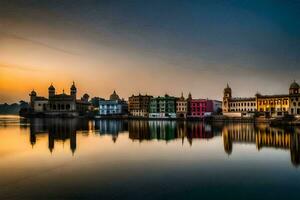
<point x="273" y="105"/>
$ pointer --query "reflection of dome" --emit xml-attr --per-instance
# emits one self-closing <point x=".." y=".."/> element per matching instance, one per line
<point x="114" y="96"/>
<point x="294" y="85"/>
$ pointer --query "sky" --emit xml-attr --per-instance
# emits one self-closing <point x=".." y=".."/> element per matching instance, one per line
<point x="148" y="46"/>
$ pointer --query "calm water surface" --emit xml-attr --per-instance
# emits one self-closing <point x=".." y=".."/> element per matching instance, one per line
<point x="82" y="159"/>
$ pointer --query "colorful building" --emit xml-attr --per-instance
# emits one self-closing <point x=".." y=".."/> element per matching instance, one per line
<point x="269" y="105"/>
<point x="113" y="107"/>
<point x="200" y="108"/>
<point x="162" y="107"/>
<point x="138" y="106"/>
<point x="181" y="107"/>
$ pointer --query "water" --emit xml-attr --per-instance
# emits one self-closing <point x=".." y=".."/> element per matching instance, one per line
<point x="82" y="159"/>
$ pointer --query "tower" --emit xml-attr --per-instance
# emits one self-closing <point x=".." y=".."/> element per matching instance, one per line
<point x="226" y="98"/>
<point x="51" y="91"/>
<point x="73" y="90"/>
<point x="32" y="98"/>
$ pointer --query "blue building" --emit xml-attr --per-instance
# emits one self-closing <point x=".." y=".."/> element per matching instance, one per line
<point x="113" y="106"/>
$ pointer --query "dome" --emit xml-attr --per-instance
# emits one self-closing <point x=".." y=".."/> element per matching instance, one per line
<point x="33" y="93"/>
<point x="114" y="96"/>
<point x="294" y="85"/>
<point x="51" y="87"/>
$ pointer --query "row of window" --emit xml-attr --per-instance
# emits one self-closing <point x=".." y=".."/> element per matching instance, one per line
<point x="295" y="104"/>
<point x="273" y="102"/>
<point x="243" y="109"/>
<point x="60" y="106"/>
<point x="243" y="104"/>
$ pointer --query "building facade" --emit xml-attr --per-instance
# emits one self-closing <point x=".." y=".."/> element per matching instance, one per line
<point x="294" y="99"/>
<point x="200" y="108"/>
<point x="162" y="107"/>
<point x="268" y="105"/>
<point x="113" y="107"/>
<point x="59" y="104"/>
<point x="138" y="106"/>
<point x="237" y="107"/>
<point x="181" y="107"/>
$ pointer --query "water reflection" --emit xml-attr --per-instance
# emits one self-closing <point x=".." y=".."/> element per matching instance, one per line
<point x="263" y="136"/>
<point x="61" y="130"/>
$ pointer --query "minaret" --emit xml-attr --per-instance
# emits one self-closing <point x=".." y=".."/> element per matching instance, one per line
<point x="51" y="91"/>
<point x="73" y="90"/>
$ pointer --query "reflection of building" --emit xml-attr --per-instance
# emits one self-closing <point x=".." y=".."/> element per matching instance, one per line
<point x="57" y="130"/>
<point x="181" y="107"/>
<point x="263" y="137"/>
<point x="113" y="106"/>
<point x="138" y="106"/>
<point x="111" y="127"/>
<point x="169" y="130"/>
<point x="59" y="104"/>
<point x="162" y="107"/>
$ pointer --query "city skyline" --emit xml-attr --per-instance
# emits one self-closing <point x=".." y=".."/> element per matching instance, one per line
<point x="195" y="46"/>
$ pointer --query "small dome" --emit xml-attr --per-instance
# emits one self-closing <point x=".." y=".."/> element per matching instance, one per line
<point x="114" y="96"/>
<point x="51" y="87"/>
<point x="33" y="93"/>
<point x="294" y="85"/>
<point x="86" y="95"/>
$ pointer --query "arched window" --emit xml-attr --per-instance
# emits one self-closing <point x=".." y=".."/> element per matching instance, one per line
<point x="68" y="106"/>
<point x="54" y="106"/>
<point x="62" y="106"/>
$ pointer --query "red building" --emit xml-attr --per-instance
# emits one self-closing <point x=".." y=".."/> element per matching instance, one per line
<point x="203" y="107"/>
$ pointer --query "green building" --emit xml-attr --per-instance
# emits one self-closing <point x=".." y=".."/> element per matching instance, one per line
<point x="162" y="107"/>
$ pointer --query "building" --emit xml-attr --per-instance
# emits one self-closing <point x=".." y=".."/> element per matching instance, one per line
<point x="59" y="104"/>
<point x="162" y="107"/>
<point x="200" y="108"/>
<point x="273" y="105"/>
<point x="138" y="106"/>
<point x="181" y="107"/>
<point x="113" y="107"/>
<point x="294" y="99"/>
<point x="267" y="105"/>
<point x="236" y="106"/>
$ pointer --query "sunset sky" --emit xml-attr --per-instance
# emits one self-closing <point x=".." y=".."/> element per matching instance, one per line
<point x="152" y="47"/>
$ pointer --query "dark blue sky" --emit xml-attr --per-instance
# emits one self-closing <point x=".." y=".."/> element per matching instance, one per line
<point x="240" y="42"/>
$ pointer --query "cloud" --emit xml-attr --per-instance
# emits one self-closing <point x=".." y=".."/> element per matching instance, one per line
<point x="38" y="43"/>
<point x="19" y="67"/>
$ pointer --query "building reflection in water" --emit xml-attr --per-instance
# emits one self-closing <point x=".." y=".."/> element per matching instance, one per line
<point x="263" y="136"/>
<point x="170" y="130"/>
<point x="111" y="127"/>
<point x="57" y="130"/>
